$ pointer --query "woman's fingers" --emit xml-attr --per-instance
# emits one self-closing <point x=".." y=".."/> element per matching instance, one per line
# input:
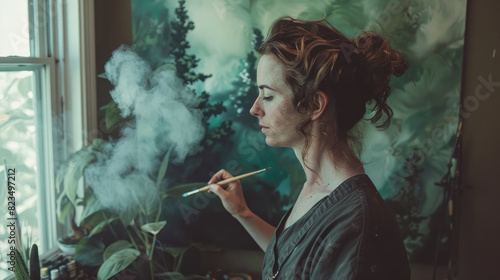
<point x="230" y="194"/>
<point x="216" y="189"/>
<point x="219" y="176"/>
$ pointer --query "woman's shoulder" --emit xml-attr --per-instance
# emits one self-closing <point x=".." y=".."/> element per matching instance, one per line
<point x="350" y="195"/>
<point x="358" y="206"/>
<point x="364" y="220"/>
<point x="359" y="189"/>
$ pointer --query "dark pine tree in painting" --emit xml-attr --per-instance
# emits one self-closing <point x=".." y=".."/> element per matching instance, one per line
<point x="186" y="64"/>
<point x="246" y="83"/>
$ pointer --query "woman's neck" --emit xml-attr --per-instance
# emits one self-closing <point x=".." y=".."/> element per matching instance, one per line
<point x="326" y="171"/>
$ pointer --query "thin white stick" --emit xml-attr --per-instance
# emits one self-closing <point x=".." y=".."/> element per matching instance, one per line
<point x="223" y="182"/>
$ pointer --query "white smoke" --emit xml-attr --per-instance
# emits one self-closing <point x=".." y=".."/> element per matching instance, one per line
<point x="163" y="109"/>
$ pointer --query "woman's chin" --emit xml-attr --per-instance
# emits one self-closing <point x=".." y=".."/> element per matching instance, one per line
<point x="285" y="143"/>
<point x="272" y="143"/>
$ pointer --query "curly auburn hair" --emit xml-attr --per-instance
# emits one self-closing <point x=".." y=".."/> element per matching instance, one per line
<point x="352" y="72"/>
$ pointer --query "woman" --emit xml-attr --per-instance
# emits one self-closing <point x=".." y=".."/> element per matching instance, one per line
<point x="314" y="86"/>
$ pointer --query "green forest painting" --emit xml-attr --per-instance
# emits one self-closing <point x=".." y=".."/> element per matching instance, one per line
<point x="211" y="47"/>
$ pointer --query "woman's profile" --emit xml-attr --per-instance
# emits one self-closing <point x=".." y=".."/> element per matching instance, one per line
<point x="315" y="86"/>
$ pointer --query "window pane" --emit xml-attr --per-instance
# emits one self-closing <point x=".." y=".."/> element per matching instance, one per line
<point x="18" y="147"/>
<point x="14" y="28"/>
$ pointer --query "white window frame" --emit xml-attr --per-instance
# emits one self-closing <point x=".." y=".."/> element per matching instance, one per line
<point x="63" y="58"/>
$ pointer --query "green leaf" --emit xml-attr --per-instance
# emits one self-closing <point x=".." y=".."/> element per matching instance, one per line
<point x="163" y="167"/>
<point x="89" y="251"/>
<point x="152" y="209"/>
<point x="92" y="204"/>
<point x="71" y="171"/>
<point x="101" y="226"/>
<point x="128" y="215"/>
<point x="115" y="247"/>
<point x="63" y="208"/>
<point x="61" y="172"/>
<point x="76" y="166"/>
<point x="174" y="251"/>
<point x="99" y="216"/>
<point x="177" y="191"/>
<point x="103" y="75"/>
<point x="20" y="268"/>
<point x="112" y="114"/>
<point x="153" y="228"/>
<point x="117" y="262"/>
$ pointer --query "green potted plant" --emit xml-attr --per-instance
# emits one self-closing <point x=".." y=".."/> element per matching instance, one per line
<point x="67" y="185"/>
<point x="137" y="251"/>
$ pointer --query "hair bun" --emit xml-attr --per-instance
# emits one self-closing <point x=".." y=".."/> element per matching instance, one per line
<point x="380" y="62"/>
<point x="379" y="54"/>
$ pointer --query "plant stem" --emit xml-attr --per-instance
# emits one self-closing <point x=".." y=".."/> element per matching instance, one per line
<point x="150" y="256"/>
<point x="132" y="239"/>
<point x="151" y="270"/>
<point x="178" y="260"/>
<point x="149" y="252"/>
<point x="144" y="238"/>
<point x="140" y="236"/>
<point x="110" y="227"/>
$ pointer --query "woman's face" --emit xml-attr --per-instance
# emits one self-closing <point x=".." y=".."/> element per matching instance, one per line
<point x="274" y="107"/>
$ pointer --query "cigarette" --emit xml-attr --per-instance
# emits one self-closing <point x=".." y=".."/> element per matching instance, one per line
<point x="227" y="181"/>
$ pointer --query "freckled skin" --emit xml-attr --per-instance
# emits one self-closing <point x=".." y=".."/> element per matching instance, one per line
<point x="273" y="107"/>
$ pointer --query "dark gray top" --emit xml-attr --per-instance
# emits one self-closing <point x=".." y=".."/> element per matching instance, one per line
<point x="350" y="234"/>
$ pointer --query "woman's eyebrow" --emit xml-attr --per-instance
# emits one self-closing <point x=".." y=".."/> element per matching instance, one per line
<point x="266" y="86"/>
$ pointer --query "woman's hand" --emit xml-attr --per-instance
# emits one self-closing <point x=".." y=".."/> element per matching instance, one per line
<point x="234" y="202"/>
<point x="230" y="194"/>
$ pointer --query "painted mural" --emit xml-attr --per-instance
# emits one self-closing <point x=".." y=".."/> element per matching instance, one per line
<point x="211" y="46"/>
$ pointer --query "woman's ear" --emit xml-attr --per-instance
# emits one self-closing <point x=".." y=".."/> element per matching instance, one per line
<point x="320" y="101"/>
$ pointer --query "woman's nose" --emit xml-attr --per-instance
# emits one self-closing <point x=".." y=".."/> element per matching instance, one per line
<point x="255" y="110"/>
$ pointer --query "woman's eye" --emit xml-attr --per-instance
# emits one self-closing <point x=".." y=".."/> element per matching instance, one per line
<point x="267" y="98"/>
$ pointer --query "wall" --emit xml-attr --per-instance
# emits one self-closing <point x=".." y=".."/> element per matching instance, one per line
<point x="113" y="28"/>
<point x="479" y="228"/>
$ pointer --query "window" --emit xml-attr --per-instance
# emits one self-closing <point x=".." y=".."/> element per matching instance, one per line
<point x="45" y="109"/>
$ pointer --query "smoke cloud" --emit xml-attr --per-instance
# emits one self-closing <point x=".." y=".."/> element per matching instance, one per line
<point x="164" y="114"/>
